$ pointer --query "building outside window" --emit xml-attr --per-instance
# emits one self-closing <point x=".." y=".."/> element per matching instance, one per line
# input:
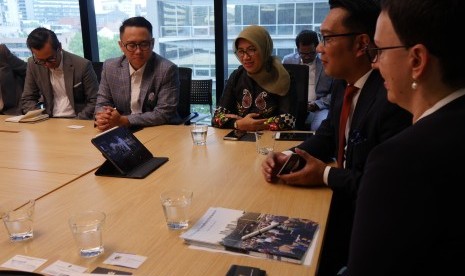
<point x="184" y="30"/>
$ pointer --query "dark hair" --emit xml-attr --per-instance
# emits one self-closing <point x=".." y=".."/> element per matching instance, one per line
<point x="306" y="37"/>
<point x="436" y="24"/>
<point x="41" y="36"/>
<point x="137" y="21"/>
<point x="363" y="15"/>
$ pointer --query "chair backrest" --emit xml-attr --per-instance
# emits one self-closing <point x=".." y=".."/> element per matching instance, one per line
<point x="201" y="92"/>
<point x="299" y="89"/>
<point x="185" y="80"/>
<point x="98" y="66"/>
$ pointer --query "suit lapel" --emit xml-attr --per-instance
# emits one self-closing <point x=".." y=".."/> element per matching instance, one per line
<point x="147" y="80"/>
<point x="366" y="99"/>
<point x="68" y="73"/>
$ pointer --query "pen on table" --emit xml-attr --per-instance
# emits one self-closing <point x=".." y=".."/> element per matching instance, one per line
<point x="260" y="231"/>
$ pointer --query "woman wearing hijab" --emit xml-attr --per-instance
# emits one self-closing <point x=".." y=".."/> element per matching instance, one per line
<point x="257" y="95"/>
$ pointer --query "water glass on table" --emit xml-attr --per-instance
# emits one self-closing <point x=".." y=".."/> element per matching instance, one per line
<point x="87" y="228"/>
<point x="19" y="223"/>
<point x="264" y="140"/>
<point x="176" y="204"/>
<point x="199" y="134"/>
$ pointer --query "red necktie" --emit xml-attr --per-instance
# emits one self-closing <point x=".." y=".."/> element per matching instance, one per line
<point x="348" y="95"/>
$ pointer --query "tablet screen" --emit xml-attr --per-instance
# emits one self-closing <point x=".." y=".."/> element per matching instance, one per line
<point x="122" y="148"/>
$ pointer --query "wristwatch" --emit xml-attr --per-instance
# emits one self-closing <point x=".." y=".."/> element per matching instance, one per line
<point x="235" y="124"/>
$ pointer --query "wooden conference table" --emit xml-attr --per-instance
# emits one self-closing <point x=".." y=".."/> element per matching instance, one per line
<point x="222" y="173"/>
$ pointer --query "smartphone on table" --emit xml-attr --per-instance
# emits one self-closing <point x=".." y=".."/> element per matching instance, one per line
<point x="234" y="135"/>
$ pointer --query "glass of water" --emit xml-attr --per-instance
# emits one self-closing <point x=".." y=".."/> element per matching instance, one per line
<point x="199" y="134"/>
<point x="176" y="204"/>
<point x="19" y="223"/>
<point x="87" y="230"/>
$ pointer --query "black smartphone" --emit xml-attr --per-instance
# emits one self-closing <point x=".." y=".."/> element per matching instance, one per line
<point x="293" y="136"/>
<point x="291" y="163"/>
<point x="234" y="135"/>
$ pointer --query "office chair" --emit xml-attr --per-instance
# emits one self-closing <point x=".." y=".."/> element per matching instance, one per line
<point x="98" y="66"/>
<point x="201" y="93"/>
<point x="299" y="88"/>
<point x="184" y="105"/>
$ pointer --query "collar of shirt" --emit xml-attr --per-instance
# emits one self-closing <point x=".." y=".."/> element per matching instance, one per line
<point x="60" y="67"/>
<point x="449" y="98"/>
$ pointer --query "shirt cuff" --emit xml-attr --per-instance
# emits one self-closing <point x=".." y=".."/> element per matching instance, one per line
<point x="326" y="174"/>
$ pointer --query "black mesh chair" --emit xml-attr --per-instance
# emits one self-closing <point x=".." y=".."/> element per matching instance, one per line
<point x="299" y="89"/>
<point x="201" y="93"/>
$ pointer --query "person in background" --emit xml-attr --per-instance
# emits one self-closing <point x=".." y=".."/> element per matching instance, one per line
<point x="319" y="84"/>
<point x="140" y="88"/>
<point x="346" y="31"/>
<point x="410" y="201"/>
<point x="257" y="94"/>
<point x="12" y="75"/>
<point x="64" y="83"/>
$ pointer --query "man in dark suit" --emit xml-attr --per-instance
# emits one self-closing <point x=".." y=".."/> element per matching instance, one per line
<point x="12" y="74"/>
<point x="140" y="88"/>
<point x="64" y="83"/>
<point x="346" y="32"/>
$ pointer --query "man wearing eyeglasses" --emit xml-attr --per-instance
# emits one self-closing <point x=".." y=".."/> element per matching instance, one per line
<point x="63" y="83"/>
<point x="319" y="84"/>
<point x="140" y="88"/>
<point x="346" y="32"/>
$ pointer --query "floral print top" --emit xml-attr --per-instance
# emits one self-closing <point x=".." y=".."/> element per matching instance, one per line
<point x="243" y="95"/>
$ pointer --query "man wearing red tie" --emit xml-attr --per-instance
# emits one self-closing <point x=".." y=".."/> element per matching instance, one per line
<point x="360" y="118"/>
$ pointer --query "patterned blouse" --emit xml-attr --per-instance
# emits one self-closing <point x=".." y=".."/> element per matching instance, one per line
<point x="243" y="95"/>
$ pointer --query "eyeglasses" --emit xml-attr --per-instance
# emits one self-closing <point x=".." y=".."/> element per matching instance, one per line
<point x="374" y="53"/>
<point x="143" y="46"/>
<point x="325" y="39"/>
<point x="49" y="60"/>
<point x="249" y="51"/>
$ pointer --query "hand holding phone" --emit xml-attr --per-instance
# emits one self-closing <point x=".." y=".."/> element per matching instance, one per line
<point x="291" y="163"/>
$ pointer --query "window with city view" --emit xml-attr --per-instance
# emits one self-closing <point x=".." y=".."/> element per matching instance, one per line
<point x="184" y="30"/>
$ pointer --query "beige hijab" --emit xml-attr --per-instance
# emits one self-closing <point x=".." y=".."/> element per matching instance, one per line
<point x="272" y="76"/>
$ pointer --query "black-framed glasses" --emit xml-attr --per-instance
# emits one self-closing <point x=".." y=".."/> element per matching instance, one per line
<point x="49" y="60"/>
<point x="374" y="53"/>
<point x="143" y="46"/>
<point x="325" y="39"/>
<point x="249" y="51"/>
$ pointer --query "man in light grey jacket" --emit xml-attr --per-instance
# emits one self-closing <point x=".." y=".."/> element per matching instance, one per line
<point x="140" y="88"/>
<point x="64" y="83"/>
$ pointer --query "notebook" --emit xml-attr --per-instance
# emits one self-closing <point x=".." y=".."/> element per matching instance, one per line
<point x="126" y="155"/>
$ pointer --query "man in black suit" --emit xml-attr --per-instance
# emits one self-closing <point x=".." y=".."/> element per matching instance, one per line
<point x="346" y="32"/>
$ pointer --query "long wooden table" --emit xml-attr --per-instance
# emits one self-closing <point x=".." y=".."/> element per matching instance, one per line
<point x="222" y="173"/>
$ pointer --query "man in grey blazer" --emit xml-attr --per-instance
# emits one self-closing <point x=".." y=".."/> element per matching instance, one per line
<point x="140" y="88"/>
<point x="12" y="74"/>
<point x="64" y="83"/>
<point x="319" y="90"/>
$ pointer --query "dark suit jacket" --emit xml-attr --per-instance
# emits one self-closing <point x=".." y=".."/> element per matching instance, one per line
<point x="411" y="201"/>
<point x="374" y="121"/>
<point x="12" y="75"/>
<point x="80" y="83"/>
<point x="159" y="90"/>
